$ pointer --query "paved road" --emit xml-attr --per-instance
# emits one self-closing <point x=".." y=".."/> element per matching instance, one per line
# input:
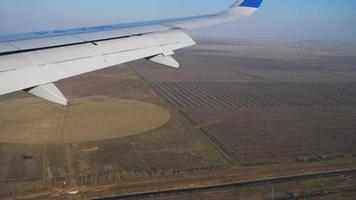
<point x="230" y="185"/>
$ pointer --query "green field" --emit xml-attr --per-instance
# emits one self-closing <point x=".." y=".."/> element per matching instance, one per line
<point x="33" y="121"/>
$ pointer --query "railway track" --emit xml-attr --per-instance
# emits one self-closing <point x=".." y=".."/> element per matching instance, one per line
<point x="216" y="187"/>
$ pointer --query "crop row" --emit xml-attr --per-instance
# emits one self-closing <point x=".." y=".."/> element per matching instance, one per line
<point x="231" y="94"/>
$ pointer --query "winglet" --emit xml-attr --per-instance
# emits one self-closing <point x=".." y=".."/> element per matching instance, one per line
<point x="242" y="8"/>
<point x="251" y="3"/>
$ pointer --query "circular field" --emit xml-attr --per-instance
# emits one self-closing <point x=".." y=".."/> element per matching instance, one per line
<point x="34" y="121"/>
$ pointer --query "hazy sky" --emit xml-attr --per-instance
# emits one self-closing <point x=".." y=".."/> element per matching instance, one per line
<point x="276" y="19"/>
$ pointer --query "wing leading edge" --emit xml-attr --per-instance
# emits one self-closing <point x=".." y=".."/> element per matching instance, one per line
<point x="33" y="61"/>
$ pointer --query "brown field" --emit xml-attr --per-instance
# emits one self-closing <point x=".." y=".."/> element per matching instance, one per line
<point x="270" y="120"/>
<point x="231" y="94"/>
<point x="291" y="132"/>
<point x="277" y="100"/>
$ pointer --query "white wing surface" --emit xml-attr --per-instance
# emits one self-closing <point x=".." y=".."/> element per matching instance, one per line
<point x="34" y="61"/>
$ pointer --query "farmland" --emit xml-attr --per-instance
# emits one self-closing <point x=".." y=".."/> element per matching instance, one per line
<point x="233" y="112"/>
<point x="275" y="101"/>
<point x="115" y="130"/>
<point x="270" y="120"/>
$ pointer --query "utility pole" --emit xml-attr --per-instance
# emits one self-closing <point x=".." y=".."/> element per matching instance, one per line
<point x="272" y="193"/>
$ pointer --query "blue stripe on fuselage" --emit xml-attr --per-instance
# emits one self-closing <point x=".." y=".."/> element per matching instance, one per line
<point x="251" y="3"/>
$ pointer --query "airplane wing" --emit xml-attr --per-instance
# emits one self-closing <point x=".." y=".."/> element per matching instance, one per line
<point x="34" y="61"/>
